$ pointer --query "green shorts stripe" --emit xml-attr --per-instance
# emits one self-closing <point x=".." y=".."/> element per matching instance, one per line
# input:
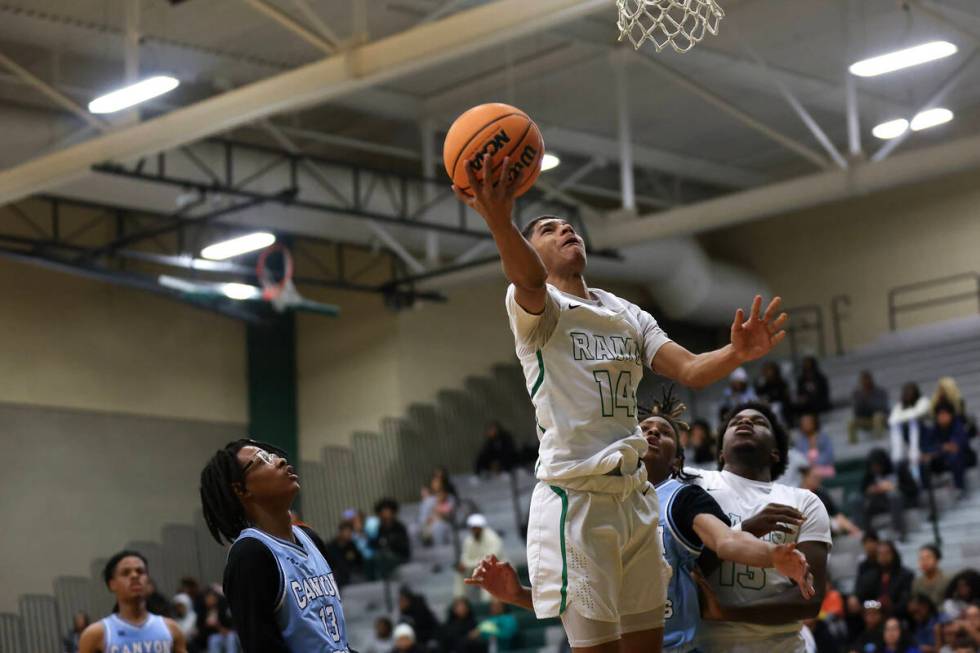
<point x="561" y="538"/>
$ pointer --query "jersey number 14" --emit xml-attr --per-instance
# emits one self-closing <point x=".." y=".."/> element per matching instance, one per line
<point x="616" y="397"/>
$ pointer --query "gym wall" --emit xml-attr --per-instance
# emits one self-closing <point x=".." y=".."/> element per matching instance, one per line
<point x="864" y="247"/>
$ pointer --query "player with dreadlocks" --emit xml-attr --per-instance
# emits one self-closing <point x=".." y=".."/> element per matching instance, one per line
<point x="692" y="520"/>
<point x="747" y="608"/>
<point x="280" y="588"/>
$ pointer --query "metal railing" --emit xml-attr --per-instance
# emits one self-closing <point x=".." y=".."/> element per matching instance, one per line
<point x="837" y="304"/>
<point x="805" y="319"/>
<point x="894" y="295"/>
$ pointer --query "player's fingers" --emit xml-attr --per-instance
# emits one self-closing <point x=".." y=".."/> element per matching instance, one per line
<point x="475" y="184"/>
<point x="780" y="322"/>
<point x="500" y="188"/>
<point x="772" y="308"/>
<point x="756" y="307"/>
<point x="473" y="580"/>
<point x="783" y="509"/>
<point x="778" y="338"/>
<point x="463" y="197"/>
<point x="781" y="528"/>
<point x="739" y="319"/>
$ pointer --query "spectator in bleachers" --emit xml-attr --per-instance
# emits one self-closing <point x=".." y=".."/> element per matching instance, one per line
<point x="189" y="586"/>
<point x="343" y="556"/>
<point x="931" y="581"/>
<point x="818" y="638"/>
<point x="870" y="638"/>
<point x="963" y="590"/>
<point x="414" y="610"/>
<point x="772" y="388"/>
<point x="381" y="639"/>
<point x="923" y="619"/>
<point x="897" y="639"/>
<point x="460" y="634"/>
<point x="498" y="453"/>
<point x="869" y="542"/>
<point x="815" y="445"/>
<point x="390" y="542"/>
<point x="406" y="640"/>
<point x="500" y="627"/>
<point x="702" y="444"/>
<point x="80" y="621"/>
<point x="970" y="624"/>
<point x="812" y="388"/>
<point x="359" y="534"/>
<point x="888" y="582"/>
<point x="442" y="474"/>
<point x="157" y="603"/>
<point x="216" y="634"/>
<point x="480" y="542"/>
<point x="945" y="445"/>
<point x="839" y="523"/>
<point x="905" y="425"/>
<point x="437" y="514"/>
<point x="185" y="615"/>
<point x="948" y="392"/>
<point x="737" y="393"/>
<point x="870" y="403"/>
<point x="886" y="488"/>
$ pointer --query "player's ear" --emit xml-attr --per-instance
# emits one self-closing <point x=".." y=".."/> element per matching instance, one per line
<point x="239" y="489"/>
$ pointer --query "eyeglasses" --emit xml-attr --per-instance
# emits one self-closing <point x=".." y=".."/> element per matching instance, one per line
<point x="262" y="456"/>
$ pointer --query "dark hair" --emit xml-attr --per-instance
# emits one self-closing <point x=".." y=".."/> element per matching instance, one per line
<point x="935" y="550"/>
<point x="110" y="566"/>
<point x="813" y="414"/>
<point x="880" y="457"/>
<point x="528" y="229"/>
<point x="896" y="556"/>
<point x="386" y="502"/>
<point x="670" y="409"/>
<point x="912" y="387"/>
<point x="972" y="579"/>
<point x="926" y="601"/>
<point x="779" y="434"/>
<point x="223" y="510"/>
<point x="870" y="534"/>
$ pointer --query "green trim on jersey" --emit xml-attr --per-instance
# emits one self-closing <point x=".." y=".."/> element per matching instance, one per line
<point x="540" y="379"/>
<point x="564" y="557"/>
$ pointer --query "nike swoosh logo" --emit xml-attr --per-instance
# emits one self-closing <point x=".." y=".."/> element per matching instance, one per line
<point x="573" y="306"/>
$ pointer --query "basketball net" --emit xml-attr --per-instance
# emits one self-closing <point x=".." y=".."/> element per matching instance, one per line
<point x="680" y="24"/>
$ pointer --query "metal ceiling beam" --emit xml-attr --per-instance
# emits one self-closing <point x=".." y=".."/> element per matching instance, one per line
<point x="290" y="23"/>
<point x="371" y="64"/>
<point x="316" y="21"/>
<point x="915" y="167"/>
<point x="51" y="92"/>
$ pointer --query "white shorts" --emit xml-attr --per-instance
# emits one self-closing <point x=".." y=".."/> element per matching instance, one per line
<point x="597" y="551"/>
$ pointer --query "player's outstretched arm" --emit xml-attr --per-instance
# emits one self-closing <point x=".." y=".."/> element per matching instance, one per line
<point x="737" y="546"/>
<point x="783" y="608"/>
<point x="500" y="580"/>
<point x="522" y="265"/>
<point x="751" y="339"/>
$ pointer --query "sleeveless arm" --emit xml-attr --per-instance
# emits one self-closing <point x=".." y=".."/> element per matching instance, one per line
<point x="92" y="639"/>
<point x="180" y="642"/>
<point x="253" y="585"/>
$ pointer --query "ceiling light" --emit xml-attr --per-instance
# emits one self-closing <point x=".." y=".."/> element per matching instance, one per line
<point x="240" y="291"/>
<point x="931" y="118"/>
<point x="133" y="94"/>
<point x="907" y="58"/>
<point x="237" y="246"/>
<point x="891" y="129"/>
<point x="549" y="161"/>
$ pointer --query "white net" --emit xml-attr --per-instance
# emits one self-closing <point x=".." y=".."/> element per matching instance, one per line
<point x="680" y="24"/>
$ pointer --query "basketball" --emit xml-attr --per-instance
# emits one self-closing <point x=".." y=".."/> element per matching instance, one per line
<point x="498" y="131"/>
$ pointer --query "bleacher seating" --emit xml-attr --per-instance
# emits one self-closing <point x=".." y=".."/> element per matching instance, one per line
<point x="397" y="460"/>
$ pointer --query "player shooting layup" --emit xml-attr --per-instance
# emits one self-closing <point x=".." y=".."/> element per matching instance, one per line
<point x="592" y="540"/>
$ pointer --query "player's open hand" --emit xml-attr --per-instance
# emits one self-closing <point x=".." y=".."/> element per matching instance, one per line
<point x="496" y="577"/>
<point x="792" y="564"/>
<point x="756" y="337"/>
<point x="491" y="198"/>
<point x="775" y="517"/>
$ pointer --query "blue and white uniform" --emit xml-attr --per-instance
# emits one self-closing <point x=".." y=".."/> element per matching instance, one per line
<point x="682" y="615"/>
<point x="308" y="608"/>
<point x="152" y="636"/>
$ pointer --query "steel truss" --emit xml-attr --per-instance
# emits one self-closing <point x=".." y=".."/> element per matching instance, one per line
<point x="132" y="247"/>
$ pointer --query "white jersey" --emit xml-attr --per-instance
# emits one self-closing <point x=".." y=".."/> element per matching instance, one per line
<point x="583" y="360"/>
<point x="741" y="585"/>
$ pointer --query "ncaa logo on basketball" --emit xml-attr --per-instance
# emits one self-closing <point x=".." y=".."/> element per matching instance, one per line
<point x="490" y="148"/>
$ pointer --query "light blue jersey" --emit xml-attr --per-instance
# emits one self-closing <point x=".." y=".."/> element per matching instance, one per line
<point x="683" y="613"/>
<point x="123" y="637"/>
<point x="308" y="607"/>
